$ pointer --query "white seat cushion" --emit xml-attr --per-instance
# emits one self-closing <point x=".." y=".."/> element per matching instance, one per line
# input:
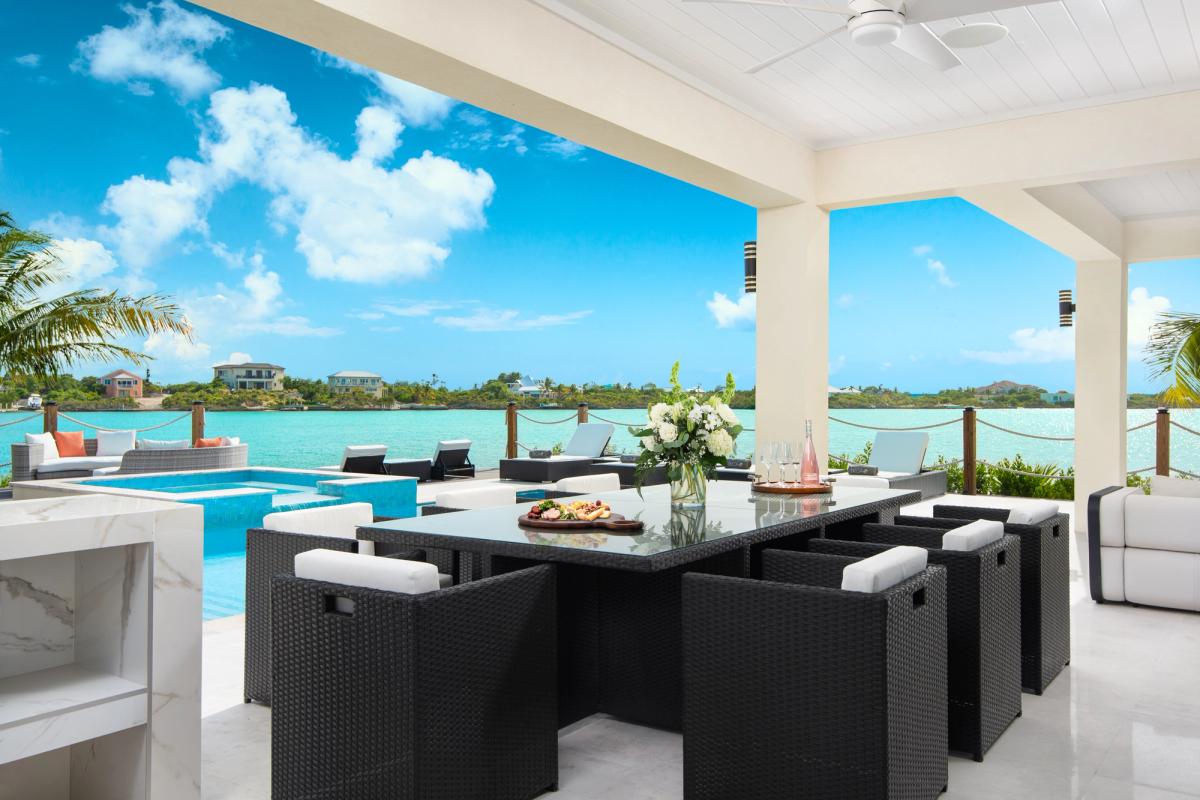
<point x="1162" y="578"/>
<point x="589" y="440"/>
<point x="46" y="440"/>
<point x="973" y="536"/>
<point x="1112" y="517"/>
<point x="884" y="570"/>
<point x="339" y="522"/>
<point x="163" y="444"/>
<point x="96" y="473"/>
<point x="481" y="497"/>
<point x="1162" y="486"/>
<point x="1162" y="523"/>
<point x="1032" y="512"/>
<point x="607" y="482"/>
<point x="370" y="572"/>
<point x="80" y="463"/>
<point x="899" y="452"/>
<point x="114" y="443"/>
<point x="1112" y="574"/>
<point x="862" y="481"/>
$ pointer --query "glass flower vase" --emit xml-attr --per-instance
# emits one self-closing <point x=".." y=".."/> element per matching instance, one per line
<point x="689" y="486"/>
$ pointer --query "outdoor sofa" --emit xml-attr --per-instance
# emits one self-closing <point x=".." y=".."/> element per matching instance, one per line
<point x="1145" y="549"/>
<point x="585" y="448"/>
<point x="899" y="456"/>
<point x="29" y="461"/>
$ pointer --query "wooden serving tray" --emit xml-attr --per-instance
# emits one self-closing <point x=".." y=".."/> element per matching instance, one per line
<point x="795" y="488"/>
<point x="615" y="522"/>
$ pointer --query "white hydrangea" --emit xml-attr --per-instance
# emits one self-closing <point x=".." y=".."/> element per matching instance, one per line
<point x="667" y="432"/>
<point x="726" y="413"/>
<point x="720" y="443"/>
<point x="658" y="413"/>
<point x="649" y="442"/>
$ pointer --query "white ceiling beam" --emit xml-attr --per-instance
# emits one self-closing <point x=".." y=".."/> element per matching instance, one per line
<point x="1066" y="147"/>
<point x="520" y="60"/>
<point x="1162" y="238"/>
<point x="1066" y="218"/>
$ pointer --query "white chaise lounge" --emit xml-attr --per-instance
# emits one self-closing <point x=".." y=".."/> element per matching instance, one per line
<point x="585" y="447"/>
<point x="899" y="456"/>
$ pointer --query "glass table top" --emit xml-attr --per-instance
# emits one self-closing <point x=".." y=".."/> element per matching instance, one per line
<point x="732" y="509"/>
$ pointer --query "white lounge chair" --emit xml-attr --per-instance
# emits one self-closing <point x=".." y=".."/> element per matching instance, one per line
<point x="585" y="447"/>
<point x="899" y="456"/>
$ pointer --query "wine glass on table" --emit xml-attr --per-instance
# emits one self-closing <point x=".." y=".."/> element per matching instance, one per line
<point x="785" y="458"/>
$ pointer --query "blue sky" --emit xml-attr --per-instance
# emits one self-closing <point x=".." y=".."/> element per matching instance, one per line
<point x="313" y="213"/>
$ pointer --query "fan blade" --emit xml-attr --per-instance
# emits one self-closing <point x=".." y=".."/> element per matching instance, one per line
<point x="775" y="59"/>
<point x="920" y="42"/>
<point x="841" y="12"/>
<point x="932" y="10"/>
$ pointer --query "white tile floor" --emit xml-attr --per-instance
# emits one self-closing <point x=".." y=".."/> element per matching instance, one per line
<point x="1123" y="721"/>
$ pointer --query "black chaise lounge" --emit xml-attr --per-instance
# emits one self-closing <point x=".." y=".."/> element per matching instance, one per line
<point x="451" y="459"/>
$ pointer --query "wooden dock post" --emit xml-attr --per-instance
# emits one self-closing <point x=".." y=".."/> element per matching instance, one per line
<point x="1162" y="442"/>
<point x="968" y="464"/>
<point x="510" y="421"/>
<point x="50" y="417"/>
<point x="582" y="413"/>
<point x="197" y="420"/>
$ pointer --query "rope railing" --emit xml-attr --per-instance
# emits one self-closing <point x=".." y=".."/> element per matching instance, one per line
<point x="1026" y="473"/>
<point x="1185" y="428"/>
<point x="82" y="423"/>
<point x="528" y="418"/>
<point x="1149" y="424"/>
<point x="1026" y="435"/>
<point x="955" y="421"/>
<point x="38" y="415"/>
<point x="615" y="421"/>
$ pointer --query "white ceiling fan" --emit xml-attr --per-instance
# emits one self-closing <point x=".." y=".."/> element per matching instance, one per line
<point x="900" y="23"/>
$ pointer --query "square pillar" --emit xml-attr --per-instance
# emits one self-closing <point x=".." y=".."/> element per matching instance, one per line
<point x="1101" y="384"/>
<point x="793" y="325"/>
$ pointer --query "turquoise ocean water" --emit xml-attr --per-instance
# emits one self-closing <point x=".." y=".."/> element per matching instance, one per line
<point x="315" y="438"/>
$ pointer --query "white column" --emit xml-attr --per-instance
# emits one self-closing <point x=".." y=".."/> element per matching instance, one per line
<point x="1101" y="387"/>
<point x="793" y="324"/>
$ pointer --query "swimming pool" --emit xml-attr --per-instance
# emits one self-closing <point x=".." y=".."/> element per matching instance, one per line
<point x="237" y="499"/>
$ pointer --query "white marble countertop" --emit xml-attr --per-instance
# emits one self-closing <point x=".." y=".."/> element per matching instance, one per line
<point x="31" y="528"/>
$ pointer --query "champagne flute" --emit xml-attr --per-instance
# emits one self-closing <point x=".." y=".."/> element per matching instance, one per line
<point x="785" y="458"/>
<point x="762" y="473"/>
<point x="797" y="461"/>
<point x="772" y="458"/>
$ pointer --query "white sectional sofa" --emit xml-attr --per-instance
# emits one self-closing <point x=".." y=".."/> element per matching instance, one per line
<point x="1145" y="549"/>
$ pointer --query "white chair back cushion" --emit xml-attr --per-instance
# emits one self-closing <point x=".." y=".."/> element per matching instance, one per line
<point x="1112" y="517"/>
<point x="362" y="450"/>
<point x="450" y="444"/>
<point x="339" y="522"/>
<point x="1032" y="512"/>
<point x="884" y="570"/>
<point x="606" y="482"/>
<point x="1162" y="523"/>
<point x="1163" y="486"/>
<point x="973" y="536"/>
<point x="114" y="443"/>
<point x="589" y="440"/>
<point x="46" y="440"/>
<point x="902" y="452"/>
<point x="370" y="572"/>
<point x="163" y="444"/>
<point x="481" y="497"/>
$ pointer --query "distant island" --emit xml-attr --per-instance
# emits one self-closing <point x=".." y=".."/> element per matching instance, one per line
<point x="89" y="393"/>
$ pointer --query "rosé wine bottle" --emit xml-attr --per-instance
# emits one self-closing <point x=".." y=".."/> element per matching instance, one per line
<point x="810" y="471"/>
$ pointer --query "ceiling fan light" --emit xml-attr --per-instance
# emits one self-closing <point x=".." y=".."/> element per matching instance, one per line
<point x="979" y="34"/>
<point x="876" y="28"/>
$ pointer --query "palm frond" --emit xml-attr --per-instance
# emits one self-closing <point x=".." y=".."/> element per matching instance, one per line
<point x="1173" y="350"/>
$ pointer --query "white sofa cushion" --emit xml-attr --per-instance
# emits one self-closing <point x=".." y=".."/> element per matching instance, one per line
<point x="339" y="522"/>
<point x="1162" y="523"/>
<point x="114" y="443"/>
<point x="1112" y="517"/>
<point x="370" y="572"/>
<point x="77" y="463"/>
<point x="163" y="444"/>
<point x="1163" y="486"/>
<point x="884" y="570"/>
<point x="606" y="482"/>
<point x="973" y="536"/>
<point x="481" y="497"/>
<point x="1032" y="512"/>
<point x="1161" y="578"/>
<point x="46" y="440"/>
<point x="1112" y="574"/>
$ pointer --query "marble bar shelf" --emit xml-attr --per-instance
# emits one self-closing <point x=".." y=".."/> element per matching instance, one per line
<point x="100" y="637"/>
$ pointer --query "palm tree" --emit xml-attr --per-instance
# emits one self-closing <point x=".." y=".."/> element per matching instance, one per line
<point x="1174" y="350"/>
<point x="42" y="335"/>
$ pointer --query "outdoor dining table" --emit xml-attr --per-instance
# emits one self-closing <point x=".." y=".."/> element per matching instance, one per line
<point x="619" y="598"/>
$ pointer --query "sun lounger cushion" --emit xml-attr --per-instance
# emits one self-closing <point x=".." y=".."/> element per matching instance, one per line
<point x="448" y="445"/>
<point x="1161" y="485"/>
<point x="899" y="452"/>
<point x="973" y="536"/>
<point x="589" y="440"/>
<point x="885" y="570"/>
<point x="46" y="440"/>
<point x="114" y="443"/>
<point x="606" y="482"/>
<point x="863" y="481"/>
<point x="1032" y="512"/>
<point x="370" y="572"/>
<point x="482" y="497"/>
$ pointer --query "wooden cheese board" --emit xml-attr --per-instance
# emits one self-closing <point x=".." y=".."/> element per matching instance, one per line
<point x="615" y="522"/>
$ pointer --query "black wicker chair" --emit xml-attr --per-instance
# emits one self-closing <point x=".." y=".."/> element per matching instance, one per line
<point x="447" y="695"/>
<point x="1045" y="586"/>
<point x="270" y="553"/>
<point x="983" y="627"/>
<point x="795" y="688"/>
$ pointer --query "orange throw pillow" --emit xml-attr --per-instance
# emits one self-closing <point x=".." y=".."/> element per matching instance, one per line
<point x="215" y="441"/>
<point x="70" y="443"/>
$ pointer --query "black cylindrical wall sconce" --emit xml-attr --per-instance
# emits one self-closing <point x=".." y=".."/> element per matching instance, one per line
<point x="1066" y="309"/>
<point x="750" y="250"/>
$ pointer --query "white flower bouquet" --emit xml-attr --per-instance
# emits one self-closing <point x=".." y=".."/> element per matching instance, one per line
<point x="691" y="436"/>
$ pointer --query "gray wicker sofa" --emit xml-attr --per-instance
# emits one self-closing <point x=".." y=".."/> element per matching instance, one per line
<point x="27" y="458"/>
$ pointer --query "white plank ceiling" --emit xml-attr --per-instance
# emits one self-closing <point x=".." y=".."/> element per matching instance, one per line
<point x="1060" y="55"/>
<point x="1161" y="194"/>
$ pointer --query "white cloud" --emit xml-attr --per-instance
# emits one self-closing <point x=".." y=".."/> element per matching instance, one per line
<point x="238" y="358"/>
<point x="176" y="347"/>
<point x="84" y="263"/>
<point x="415" y="105"/>
<point x="355" y="220"/>
<point x="62" y="226"/>
<point x="378" y="133"/>
<point x="483" y="136"/>
<point x="231" y="258"/>
<point x="845" y="300"/>
<point x="368" y="316"/>
<point x="30" y="60"/>
<point x="731" y="314"/>
<point x="922" y="250"/>
<point x="939" y="271"/>
<point x="557" y="145"/>
<point x="161" y="42"/>
<point x="422" y="308"/>
<point x="1048" y="345"/>
<point x="486" y="320"/>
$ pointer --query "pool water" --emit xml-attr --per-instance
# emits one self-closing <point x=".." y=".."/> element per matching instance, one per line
<point x="236" y="500"/>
